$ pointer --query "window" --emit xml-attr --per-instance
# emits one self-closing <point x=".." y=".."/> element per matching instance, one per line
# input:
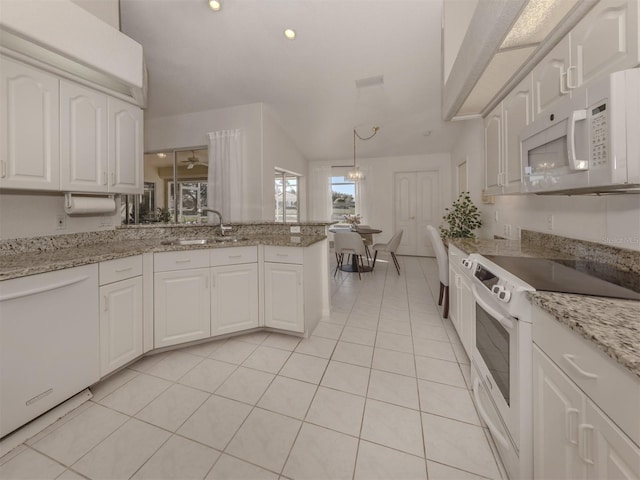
<point x="343" y="198"/>
<point x="192" y="196"/>
<point x="286" y="196"/>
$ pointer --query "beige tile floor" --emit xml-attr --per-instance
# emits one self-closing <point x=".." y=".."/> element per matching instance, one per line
<point x="380" y="391"/>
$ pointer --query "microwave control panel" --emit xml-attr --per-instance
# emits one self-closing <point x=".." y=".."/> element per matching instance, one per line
<point x="599" y="135"/>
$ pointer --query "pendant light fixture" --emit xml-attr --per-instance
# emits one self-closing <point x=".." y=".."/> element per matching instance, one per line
<point x="356" y="175"/>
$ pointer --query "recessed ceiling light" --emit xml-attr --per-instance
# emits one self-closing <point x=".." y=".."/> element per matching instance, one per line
<point x="215" y="5"/>
<point x="290" y="34"/>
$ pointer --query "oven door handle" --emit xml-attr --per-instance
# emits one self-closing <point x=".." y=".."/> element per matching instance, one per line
<point x="504" y="320"/>
<point x="485" y="418"/>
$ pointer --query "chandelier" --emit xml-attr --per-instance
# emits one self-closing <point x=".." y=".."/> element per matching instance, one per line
<point x="356" y="175"/>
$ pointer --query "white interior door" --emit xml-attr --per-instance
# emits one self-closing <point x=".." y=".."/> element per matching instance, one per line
<point x="416" y="206"/>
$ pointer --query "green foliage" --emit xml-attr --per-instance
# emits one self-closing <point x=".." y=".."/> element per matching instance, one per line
<point x="463" y="218"/>
<point x="163" y="215"/>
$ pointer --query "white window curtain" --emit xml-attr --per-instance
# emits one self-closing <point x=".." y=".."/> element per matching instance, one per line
<point x="320" y="193"/>
<point x="225" y="175"/>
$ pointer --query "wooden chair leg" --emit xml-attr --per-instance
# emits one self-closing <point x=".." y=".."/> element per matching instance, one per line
<point x="396" y="263"/>
<point x="338" y="263"/>
<point x="446" y="302"/>
<point x="358" y="261"/>
<point x="375" y="255"/>
<point x="441" y="294"/>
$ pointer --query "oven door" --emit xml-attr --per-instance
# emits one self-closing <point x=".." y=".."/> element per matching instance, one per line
<point x="495" y="357"/>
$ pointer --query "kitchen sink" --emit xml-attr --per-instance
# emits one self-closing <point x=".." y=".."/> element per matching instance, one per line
<point x="204" y="241"/>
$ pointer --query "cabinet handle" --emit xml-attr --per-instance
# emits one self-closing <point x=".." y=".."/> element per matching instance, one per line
<point x="121" y="270"/>
<point x="299" y="279"/>
<point x="457" y="281"/>
<point x="206" y="283"/>
<point x="185" y="260"/>
<point x="570" y="360"/>
<point x="569" y="414"/>
<point x="104" y="178"/>
<point x="569" y="76"/>
<point x="234" y="256"/>
<point x="4" y="169"/>
<point x="47" y="288"/>
<point x="562" y="79"/>
<point x="113" y="178"/>
<point x="282" y="254"/>
<point x="106" y="303"/>
<point x="583" y="444"/>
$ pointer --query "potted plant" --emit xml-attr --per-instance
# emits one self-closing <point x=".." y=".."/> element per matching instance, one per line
<point x="463" y="218"/>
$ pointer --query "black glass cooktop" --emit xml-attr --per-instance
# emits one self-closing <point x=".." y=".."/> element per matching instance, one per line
<point x="572" y="276"/>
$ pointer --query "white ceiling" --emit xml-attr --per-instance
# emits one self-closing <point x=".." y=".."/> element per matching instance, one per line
<point x="200" y="60"/>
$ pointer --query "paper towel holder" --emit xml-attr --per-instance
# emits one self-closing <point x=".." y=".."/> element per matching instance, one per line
<point x="68" y="196"/>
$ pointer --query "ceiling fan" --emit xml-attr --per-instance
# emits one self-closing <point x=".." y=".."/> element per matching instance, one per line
<point x="193" y="160"/>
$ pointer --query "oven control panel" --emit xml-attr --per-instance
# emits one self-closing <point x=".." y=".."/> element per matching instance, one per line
<point x="501" y="292"/>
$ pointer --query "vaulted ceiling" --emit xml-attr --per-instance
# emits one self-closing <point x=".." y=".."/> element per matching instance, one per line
<point x="199" y="59"/>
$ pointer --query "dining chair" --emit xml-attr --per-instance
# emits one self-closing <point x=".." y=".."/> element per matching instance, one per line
<point x="443" y="267"/>
<point x="367" y="238"/>
<point x="390" y="247"/>
<point x="349" y="243"/>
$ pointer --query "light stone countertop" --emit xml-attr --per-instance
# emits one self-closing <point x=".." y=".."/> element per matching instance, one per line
<point x="30" y="263"/>
<point x="612" y="324"/>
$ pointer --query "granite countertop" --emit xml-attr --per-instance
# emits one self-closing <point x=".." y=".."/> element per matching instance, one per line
<point x="612" y="324"/>
<point x="31" y="263"/>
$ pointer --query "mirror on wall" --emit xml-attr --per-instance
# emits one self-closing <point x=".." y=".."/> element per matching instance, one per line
<point x="175" y="188"/>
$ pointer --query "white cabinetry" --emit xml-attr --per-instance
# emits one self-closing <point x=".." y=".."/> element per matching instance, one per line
<point x="292" y="287"/>
<point x="550" y="84"/>
<point x="234" y="290"/>
<point x="29" y="127"/>
<point x="121" y="321"/>
<point x="461" y="303"/>
<point x="605" y="41"/>
<point x="58" y="135"/>
<point x="503" y="166"/>
<point x="125" y="147"/>
<point x="585" y="415"/>
<point x="182" y="305"/>
<point x="83" y="139"/>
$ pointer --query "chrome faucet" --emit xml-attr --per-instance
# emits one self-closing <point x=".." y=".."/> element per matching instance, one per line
<point x="222" y="227"/>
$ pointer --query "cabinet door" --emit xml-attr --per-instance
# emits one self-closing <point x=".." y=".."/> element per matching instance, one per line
<point x="493" y="150"/>
<point x="182" y="306"/>
<point x="83" y="139"/>
<point x="283" y="296"/>
<point x="558" y="410"/>
<point x="120" y="323"/>
<point x="454" y="296"/>
<point x="607" y="450"/>
<point x="606" y="40"/>
<point x="234" y="298"/>
<point x="550" y="79"/>
<point x="29" y="128"/>
<point x="125" y="147"/>
<point x="517" y="114"/>
<point x="466" y="312"/>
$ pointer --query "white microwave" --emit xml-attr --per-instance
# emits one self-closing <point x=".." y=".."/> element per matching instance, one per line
<point x="590" y="143"/>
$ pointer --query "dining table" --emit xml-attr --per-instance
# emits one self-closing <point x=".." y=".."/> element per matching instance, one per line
<point x="353" y="266"/>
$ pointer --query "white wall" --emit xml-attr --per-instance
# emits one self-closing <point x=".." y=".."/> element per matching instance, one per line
<point x="32" y="214"/>
<point x="613" y="220"/>
<point x="278" y="150"/>
<point x="376" y="204"/>
<point x="190" y="130"/>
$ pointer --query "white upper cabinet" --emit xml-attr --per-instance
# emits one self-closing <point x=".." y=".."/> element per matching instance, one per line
<point x="29" y="128"/>
<point x="125" y="147"/>
<point x="517" y="113"/>
<point x="493" y="150"/>
<point x="83" y="139"/>
<point x="550" y="78"/>
<point x="605" y="41"/>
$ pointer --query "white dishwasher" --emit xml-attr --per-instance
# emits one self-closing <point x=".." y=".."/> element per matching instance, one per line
<point x="49" y="346"/>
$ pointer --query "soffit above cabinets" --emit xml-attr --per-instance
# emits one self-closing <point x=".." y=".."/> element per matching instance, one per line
<point x="502" y="43"/>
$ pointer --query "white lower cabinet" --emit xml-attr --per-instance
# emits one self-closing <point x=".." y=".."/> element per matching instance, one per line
<point x="182" y="306"/>
<point x="461" y="302"/>
<point x="120" y="323"/>
<point x="283" y="296"/>
<point x="586" y="415"/>
<point x="121" y="318"/>
<point x="234" y="298"/>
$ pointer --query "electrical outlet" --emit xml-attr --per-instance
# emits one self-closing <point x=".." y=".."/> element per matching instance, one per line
<point x="294" y="229"/>
<point x="550" y="222"/>
<point x="61" y="222"/>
